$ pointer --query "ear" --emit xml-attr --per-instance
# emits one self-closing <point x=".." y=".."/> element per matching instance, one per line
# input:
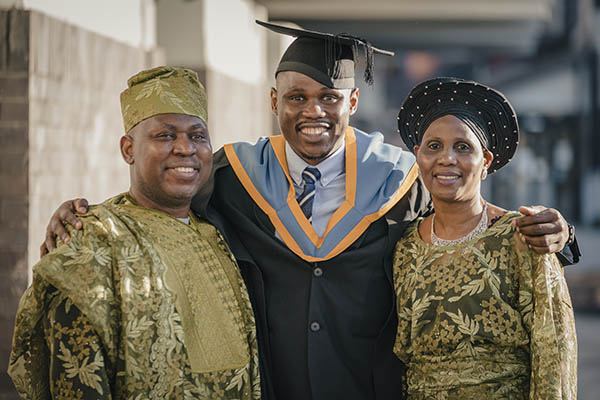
<point x="126" y="144"/>
<point x="416" y="149"/>
<point x="354" y="100"/>
<point x="274" y="100"/>
<point x="488" y="157"/>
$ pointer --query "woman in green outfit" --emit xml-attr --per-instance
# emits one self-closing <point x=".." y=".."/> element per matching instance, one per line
<point x="480" y="314"/>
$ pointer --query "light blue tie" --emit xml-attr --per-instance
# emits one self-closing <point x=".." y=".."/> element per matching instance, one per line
<point x="310" y="176"/>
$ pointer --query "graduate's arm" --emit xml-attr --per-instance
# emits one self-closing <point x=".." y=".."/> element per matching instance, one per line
<point x="415" y="203"/>
<point x="545" y="230"/>
<point x="64" y="215"/>
<point x="201" y="199"/>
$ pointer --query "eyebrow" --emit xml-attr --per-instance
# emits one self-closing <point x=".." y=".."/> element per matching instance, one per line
<point x="195" y="126"/>
<point x="169" y="126"/>
<point x="295" y="89"/>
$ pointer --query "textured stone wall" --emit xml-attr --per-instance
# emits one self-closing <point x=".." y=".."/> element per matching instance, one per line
<point x="207" y="39"/>
<point x="14" y="196"/>
<point x="238" y="111"/>
<point x="75" y="119"/>
<point x="60" y="124"/>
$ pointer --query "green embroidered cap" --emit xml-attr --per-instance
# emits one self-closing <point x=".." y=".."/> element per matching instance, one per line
<point x="163" y="90"/>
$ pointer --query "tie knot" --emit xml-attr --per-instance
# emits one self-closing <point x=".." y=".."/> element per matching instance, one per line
<point x="310" y="175"/>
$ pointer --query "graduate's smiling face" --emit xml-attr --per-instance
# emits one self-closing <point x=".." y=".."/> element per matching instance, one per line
<point x="312" y="117"/>
<point x="171" y="159"/>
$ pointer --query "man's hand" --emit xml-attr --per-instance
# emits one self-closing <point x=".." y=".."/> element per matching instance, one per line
<point x="65" y="214"/>
<point x="544" y="230"/>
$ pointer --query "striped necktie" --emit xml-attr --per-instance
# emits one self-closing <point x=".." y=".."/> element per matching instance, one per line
<point x="310" y="176"/>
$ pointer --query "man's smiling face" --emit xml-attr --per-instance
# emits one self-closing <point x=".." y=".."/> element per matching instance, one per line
<point x="312" y="117"/>
<point x="170" y="157"/>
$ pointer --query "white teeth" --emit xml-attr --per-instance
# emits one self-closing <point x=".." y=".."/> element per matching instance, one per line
<point x="447" y="176"/>
<point x="184" y="169"/>
<point x="313" y="131"/>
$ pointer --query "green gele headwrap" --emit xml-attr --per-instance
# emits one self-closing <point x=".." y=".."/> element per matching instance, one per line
<point x="163" y="90"/>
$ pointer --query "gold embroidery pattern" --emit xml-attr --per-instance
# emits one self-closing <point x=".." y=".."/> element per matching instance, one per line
<point x="113" y="274"/>
<point x="485" y="318"/>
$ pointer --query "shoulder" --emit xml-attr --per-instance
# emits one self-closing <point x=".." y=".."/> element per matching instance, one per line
<point x="246" y="151"/>
<point x="502" y="221"/>
<point x="87" y="248"/>
<point x="410" y="238"/>
<point x="371" y="146"/>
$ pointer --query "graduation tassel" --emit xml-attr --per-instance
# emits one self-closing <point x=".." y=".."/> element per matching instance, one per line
<point x="333" y="51"/>
<point x="357" y="44"/>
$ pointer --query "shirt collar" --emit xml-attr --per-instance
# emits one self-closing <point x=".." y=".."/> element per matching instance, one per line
<point x="330" y="168"/>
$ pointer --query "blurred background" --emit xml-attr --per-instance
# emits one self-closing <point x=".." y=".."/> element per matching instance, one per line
<point x="63" y="64"/>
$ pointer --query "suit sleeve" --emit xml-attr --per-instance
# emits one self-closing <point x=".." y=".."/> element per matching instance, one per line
<point x="201" y="199"/>
<point x="570" y="254"/>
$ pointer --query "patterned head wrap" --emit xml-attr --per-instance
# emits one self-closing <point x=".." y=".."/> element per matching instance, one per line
<point x="163" y="90"/>
<point x="484" y="110"/>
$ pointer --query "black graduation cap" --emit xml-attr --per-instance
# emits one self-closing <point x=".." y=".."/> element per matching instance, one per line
<point x="324" y="57"/>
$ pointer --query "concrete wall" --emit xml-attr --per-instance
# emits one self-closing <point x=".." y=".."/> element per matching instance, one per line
<point x="131" y="21"/>
<point x="219" y="39"/>
<point x="60" y="124"/>
<point x="74" y="117"/>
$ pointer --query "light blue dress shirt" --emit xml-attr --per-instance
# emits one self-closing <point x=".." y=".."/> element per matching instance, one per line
<point x="330" y="190"/>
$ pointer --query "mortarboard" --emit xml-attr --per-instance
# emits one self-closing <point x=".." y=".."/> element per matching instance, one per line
<point x="324" y="57"/>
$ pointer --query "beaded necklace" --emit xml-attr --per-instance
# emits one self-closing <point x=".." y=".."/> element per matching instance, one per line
<point x="481" y="226"/>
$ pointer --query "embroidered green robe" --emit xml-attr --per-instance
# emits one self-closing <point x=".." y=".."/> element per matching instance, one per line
<point x="485" y="319"/>
<point x="138" y="305"/>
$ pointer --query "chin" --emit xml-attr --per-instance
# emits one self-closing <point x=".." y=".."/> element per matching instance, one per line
<point x="446" y="196"/>
<point x="317" y="155"/>
<point x="182" y="194"/>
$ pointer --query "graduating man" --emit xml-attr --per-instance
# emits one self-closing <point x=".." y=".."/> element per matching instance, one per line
<point x="312" y="217"/>
<point x="145" y="301"/>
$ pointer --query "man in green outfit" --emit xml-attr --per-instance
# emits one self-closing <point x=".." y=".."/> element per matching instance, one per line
<point x="146" y="301"/>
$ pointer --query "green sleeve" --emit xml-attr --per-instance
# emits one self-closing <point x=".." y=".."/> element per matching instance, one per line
<point x="548" y="316"/>
<point x="77" y="361"/>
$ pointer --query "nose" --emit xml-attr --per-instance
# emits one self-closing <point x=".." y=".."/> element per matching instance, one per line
<point x="184" y="146"/>
<point x="447" y="157"/>
<point x="313" y="109"/>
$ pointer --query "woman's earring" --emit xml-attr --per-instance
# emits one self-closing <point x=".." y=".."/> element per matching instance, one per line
<point x="484" y="174"/>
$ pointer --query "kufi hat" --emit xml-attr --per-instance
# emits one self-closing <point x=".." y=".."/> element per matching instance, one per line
<point x="163" y="90"/>
<point x="328" y="59"/>
<point x="485" y="110"/>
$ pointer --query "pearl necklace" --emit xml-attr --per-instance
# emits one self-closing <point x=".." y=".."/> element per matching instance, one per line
<point x="481" y="226"/>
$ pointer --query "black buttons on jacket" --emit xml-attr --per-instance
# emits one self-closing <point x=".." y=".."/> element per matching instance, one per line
<point x="315" y="326"/>
<point x="317" y="272"/>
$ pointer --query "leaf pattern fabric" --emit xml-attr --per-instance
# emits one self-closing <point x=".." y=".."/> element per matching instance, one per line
<point x="138" y="305"/>
<point x="487" y="318"/>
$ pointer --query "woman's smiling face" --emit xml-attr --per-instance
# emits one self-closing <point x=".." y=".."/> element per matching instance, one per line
<point x="451" y="160"/>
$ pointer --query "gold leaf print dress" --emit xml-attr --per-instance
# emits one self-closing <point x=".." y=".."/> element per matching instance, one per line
<point x="138" y="305"/>
<point x="485" y="319"/>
